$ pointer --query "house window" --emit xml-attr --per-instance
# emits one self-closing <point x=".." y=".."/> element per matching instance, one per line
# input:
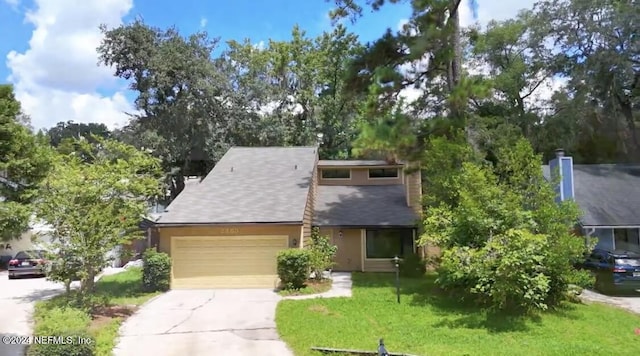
<point x="627" y="239"/>
<point x="389" y="243"/>
<point x="336" y="174"/>
<point x="383" y="173"/>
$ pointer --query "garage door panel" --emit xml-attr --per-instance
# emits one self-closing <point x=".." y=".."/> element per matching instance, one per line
<point x="225" y="262"/>
<point x="245" y="281"/>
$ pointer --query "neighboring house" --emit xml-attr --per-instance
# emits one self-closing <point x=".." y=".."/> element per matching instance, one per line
<point x="607" y="194"/>
<point x="226" y="231"/>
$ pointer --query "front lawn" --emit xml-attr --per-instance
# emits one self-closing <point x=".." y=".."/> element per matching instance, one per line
<point x="426" y="323"/>
<point x="117" y="297"/>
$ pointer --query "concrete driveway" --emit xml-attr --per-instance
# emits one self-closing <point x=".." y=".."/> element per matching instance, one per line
<point x="204" y="322"/>
<point x="631" y="304"/>
<point x="17" y="297"/>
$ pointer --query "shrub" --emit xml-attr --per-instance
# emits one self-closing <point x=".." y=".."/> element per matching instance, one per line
<point x="413" y="266"/>
<point x="56" y="321"/>
<point x="156" y="271"/>
<point x="68" y="347"/>
<point x="293" y="267"/>
<point x="505" y="241"/>
<point x="50" y="317"/>
<point x="581" y="278"/>
<point x="322" y="253"/>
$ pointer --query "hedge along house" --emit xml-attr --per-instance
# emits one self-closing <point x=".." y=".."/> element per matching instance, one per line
<point x="226" y="231"/>
<point x="608" y="196"/>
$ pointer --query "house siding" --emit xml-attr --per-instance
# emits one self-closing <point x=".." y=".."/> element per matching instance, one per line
<point x="165" y="233"/>
<point x="349" y="253"/>
<point x="309" y="209"/>
<point x="359" y="176"/>
<point x="414" y="191"/>
<point x="413" y="184"/>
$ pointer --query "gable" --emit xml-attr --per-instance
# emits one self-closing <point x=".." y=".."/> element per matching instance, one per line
<point x="249" y="185"/>
<point x="607" y="194"/>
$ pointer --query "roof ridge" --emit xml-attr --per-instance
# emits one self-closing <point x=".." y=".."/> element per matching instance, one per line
<point x="287" y="147"/>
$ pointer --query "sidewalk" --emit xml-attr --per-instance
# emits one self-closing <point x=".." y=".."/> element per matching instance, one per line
<point x="340" y="287"/>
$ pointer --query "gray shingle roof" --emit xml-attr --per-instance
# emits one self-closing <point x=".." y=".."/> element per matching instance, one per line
<point x="608" y="194"/>
<point x="346" y="163"/>
<point x="363" y="205"/>
<point x="249" y="185"/>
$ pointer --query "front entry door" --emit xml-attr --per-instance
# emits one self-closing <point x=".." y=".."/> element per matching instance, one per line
<point x="349" y="254"/>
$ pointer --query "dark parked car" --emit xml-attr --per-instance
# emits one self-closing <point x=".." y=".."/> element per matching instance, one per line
<point x="615" y="271"/>
<point x="31" y="262"/>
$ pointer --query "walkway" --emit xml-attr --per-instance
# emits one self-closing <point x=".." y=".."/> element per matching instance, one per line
<point x="629" y="303"/>
<point x="340" y="287"/>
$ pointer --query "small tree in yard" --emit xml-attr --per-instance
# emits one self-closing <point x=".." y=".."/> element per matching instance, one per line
<point x="505" y="241"/>
<point x="322" y="252"/>
<point x="95" y="205"/>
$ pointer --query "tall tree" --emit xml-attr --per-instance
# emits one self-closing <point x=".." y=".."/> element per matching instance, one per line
<point x="183" y="96"/>
<point x="426" y="55"/>
<point x="600" y="53"/>
<point x="516" y="64"/>
<point x="297" y="86"/>
<point x="24" y="162"/>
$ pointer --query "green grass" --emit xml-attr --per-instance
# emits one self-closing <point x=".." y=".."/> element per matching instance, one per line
<point x="123" y="292"/>
<point x="428" y="323"/>
<point x="311" y="287"/>
<point x="124" y="288"/>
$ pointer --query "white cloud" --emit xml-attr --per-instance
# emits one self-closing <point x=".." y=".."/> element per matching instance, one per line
<point x="57" y="78"/>
<point x="203" y="22"/>
<point x="492" y="10"/>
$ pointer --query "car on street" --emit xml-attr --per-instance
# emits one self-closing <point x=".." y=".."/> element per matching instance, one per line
<point x="615" y="271"/>
<point x="27" y="263"/>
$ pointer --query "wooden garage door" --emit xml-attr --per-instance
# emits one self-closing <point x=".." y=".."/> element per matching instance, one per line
<point x="225" y="261"/>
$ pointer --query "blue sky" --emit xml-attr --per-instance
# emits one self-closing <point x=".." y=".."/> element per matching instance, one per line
<point x="49" y="45"/>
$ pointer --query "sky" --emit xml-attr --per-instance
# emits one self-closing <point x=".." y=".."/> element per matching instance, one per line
<point x="49" y="46"/>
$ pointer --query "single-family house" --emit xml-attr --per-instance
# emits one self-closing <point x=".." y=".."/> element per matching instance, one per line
<point x="226" y="231"/>
<point x="608" y="196"/>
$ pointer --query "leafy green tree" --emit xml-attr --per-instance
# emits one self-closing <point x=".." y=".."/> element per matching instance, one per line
<point x="297" y="86"/>
<point x="505" y="241"/>
<point x="598" y="52"/>
<point x="322" y="252"/>
<point x="74" y="130"/>
<point x="184" y="97"/>
<point x="94" y="207"/>
<point x="24" y="162"/>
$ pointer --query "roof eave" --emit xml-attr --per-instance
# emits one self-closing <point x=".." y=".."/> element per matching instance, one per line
<point x="179" y="224"/>
<point x="366" y="226"/>
<point x="611" y="226"/>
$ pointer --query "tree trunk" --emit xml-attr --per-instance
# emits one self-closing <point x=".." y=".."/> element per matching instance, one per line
<point x="87" y="284"/>
<point x="456" y="62"/>
<point x="627" y="112"/>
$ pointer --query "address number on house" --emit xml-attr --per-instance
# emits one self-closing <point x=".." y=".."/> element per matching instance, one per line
<point x="229" y="230"/>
